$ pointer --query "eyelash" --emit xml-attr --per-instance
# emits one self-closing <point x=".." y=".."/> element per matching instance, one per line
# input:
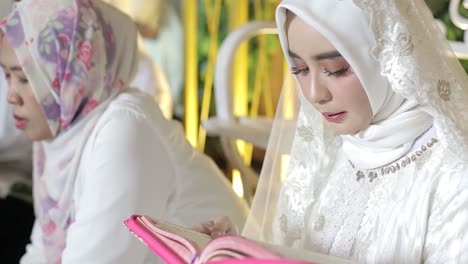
<point x="297" y="71"/>
<point x="21" y="80"/>
<point x="338" y="73"/>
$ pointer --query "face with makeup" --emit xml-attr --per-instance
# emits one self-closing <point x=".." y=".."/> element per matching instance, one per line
<point x="326" y="79"/>
<point x="27" y="112"/>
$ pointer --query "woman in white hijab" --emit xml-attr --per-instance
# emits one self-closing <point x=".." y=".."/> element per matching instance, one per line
<point x="102" y="151"/>
<point x="378" y="153"/>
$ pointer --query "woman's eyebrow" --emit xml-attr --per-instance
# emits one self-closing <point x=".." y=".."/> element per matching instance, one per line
<point x="13" y="68"/>
<point x="293" y="55"/>
<point x="327" y="55"/>
<point x="322" y="56"/>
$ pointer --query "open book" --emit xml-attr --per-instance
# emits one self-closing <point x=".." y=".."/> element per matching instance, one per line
<point x="179" y="245"/>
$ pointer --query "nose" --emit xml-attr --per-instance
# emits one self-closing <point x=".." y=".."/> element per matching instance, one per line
<point x="13" y="97"/>
<point x="318" y="92"/>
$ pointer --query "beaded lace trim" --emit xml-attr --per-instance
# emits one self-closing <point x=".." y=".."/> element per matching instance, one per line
<point x="372" y="174"/>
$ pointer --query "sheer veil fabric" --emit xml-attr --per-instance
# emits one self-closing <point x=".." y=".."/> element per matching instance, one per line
<point x="308" y="194"/>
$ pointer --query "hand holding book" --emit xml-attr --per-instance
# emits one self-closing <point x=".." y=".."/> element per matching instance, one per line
<point x="180" y="245"/>
<point x="219" y="226"/>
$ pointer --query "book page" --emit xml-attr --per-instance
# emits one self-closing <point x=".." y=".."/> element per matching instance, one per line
<point x="229" y="245"/>
<point x="198" y="238"/>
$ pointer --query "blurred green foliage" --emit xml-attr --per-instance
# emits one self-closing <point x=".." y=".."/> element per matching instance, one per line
<point x="271" y="43"/>
<point x="438" y="7"/>
<point x="440" y="11"/>
<point x="213" y="147"/>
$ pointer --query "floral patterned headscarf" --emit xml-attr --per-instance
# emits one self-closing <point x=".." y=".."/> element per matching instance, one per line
<point x="68" y="51"/>
<point x="76" y="62"/>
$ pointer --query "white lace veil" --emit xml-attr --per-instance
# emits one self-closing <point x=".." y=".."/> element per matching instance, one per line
<point x="406" y="50"/>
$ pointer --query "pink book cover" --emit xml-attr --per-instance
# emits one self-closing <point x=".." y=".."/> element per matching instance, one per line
<point x="179" y="245"/>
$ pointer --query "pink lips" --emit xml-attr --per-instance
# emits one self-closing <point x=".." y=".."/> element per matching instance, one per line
<point x="336" y="117"/>
<point x="20" y="123"/>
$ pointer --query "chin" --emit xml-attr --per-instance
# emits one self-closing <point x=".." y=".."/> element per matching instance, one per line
<point x="344" y="132"/>
<point x="33" y="138"/>
<point x="37" y="136"/>
<point x="349" y="126"/>
<point x="345" y="129"/>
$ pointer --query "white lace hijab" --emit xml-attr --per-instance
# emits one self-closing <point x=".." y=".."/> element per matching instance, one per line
<point x="413" y="81"/>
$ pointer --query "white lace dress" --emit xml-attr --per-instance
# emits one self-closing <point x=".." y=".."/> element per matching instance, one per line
<point x="416" y="209"/>
<point x="415" y="212"/>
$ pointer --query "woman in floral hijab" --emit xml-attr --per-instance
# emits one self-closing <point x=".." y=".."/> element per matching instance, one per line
<point x="102" y="151"/>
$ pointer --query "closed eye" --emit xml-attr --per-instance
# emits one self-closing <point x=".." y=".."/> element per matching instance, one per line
<point x="23" y="80"/>
<point x="297" y="71"/>
<point x="338" y="73"/>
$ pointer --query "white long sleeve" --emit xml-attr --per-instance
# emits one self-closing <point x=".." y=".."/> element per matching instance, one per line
<point x="118" y="179"/>
<point x="34" y="251"/>
<point x="447" y="239"/>
<point x="138" y="162"/>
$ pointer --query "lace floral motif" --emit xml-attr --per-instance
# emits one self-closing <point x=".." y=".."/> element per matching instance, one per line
<point x="339" y="219"/>
<point x="437" y="81"/>
<point x="304" y="181"/>
<point x="403" y="45"/>
<point x="305" y="133"/>
<point x="444" y="90"/>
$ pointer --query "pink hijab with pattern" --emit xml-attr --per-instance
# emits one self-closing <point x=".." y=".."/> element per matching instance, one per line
<point x="78" y="55"/>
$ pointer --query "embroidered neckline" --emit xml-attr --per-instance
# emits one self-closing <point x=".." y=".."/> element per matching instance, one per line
<point x="373" y="174"/>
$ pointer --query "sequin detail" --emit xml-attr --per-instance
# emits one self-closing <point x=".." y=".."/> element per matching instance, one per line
<point x="443" y="87"/>
<point x="372" y="174"/>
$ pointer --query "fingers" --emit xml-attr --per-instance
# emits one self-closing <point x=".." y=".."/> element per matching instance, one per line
<point x="204" y="227"/>
<point x="222" y="226"/>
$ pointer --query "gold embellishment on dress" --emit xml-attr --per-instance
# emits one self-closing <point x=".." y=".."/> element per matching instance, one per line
<point x="373" y="174"/>
<point x="444" y="90"/>
<point x="305" y="133"/>
<point x="360" y="175"/>
<point x="403" y="45"/>
<point x="284" y="223"/>
<point x="319" y="224"/>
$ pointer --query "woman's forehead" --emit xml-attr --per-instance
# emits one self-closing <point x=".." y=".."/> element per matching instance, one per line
<point x="303" y="38"/>
<point x="8" y="57"/>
